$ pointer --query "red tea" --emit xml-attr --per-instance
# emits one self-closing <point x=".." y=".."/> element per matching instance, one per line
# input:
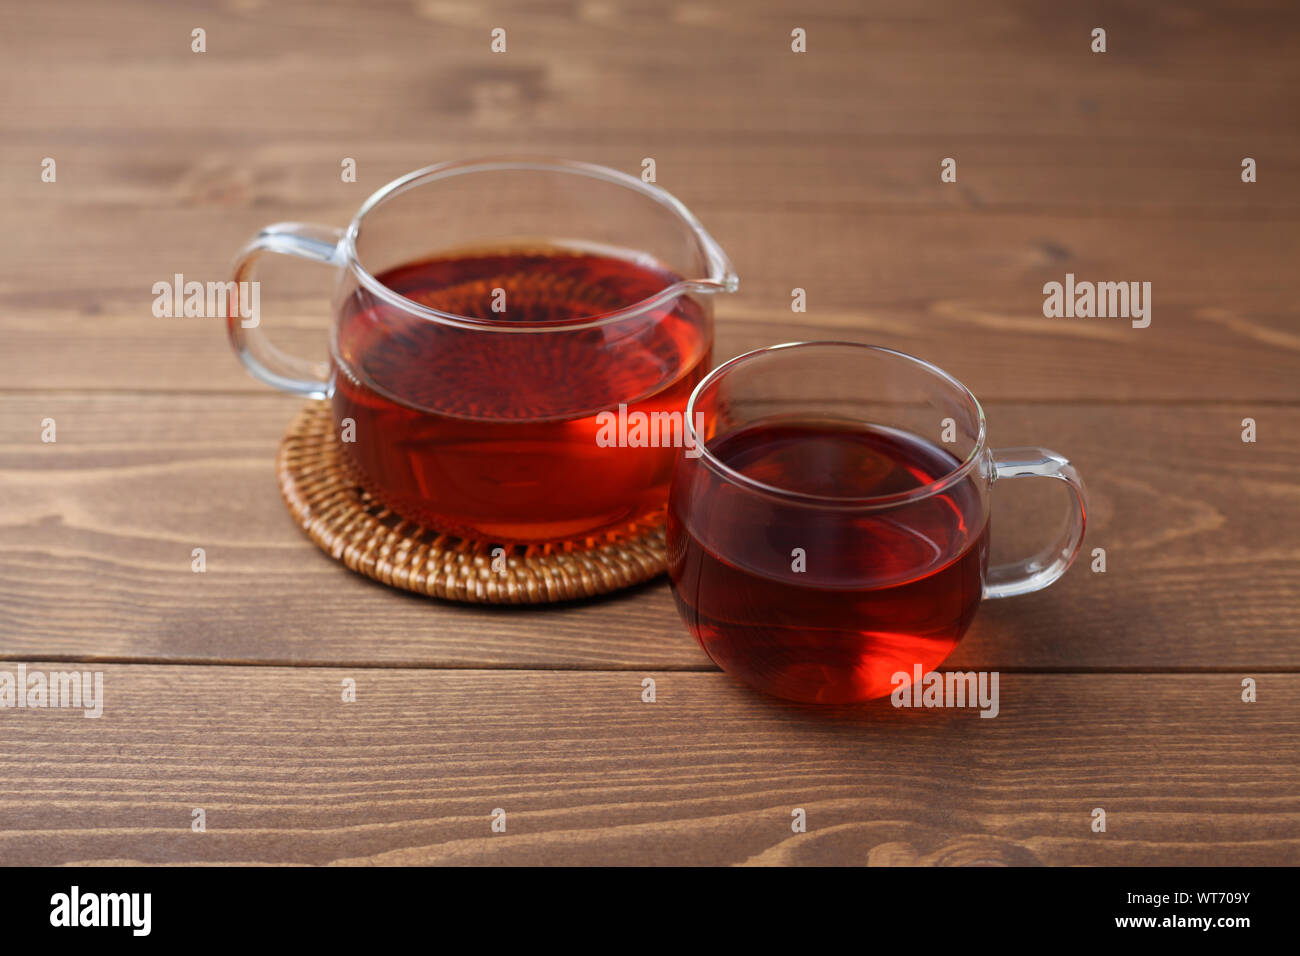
<point x="491" y="432"/>
<point x="880" y="590"/>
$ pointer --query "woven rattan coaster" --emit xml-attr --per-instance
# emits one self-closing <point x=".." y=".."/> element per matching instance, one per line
<point x="340" y="516"/>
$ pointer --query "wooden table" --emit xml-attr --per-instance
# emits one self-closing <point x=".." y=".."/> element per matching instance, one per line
<point x="1120" y="690"/>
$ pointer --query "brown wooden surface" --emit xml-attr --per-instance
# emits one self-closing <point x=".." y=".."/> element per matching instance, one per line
<point x="1176" y="499"/>
<point x="820" y="170"/>
<point x="411" y="771"/>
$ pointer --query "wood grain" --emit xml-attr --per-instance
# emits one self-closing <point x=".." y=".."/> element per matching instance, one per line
<point x="1223" y="314"/>
<point x="817" y="171"/>
<point x="98" y="529"/>
<point x="586" y="772"/>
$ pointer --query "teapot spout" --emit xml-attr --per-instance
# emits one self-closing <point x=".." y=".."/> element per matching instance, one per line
<point x="729" y="282"/>
<point x="722" y="275"/>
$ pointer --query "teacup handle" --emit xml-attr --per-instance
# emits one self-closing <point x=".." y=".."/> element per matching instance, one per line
<point x="264" y="360"/>
<point x="1036" y="573"/>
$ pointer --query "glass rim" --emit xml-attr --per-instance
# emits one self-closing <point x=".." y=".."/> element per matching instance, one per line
<point x="721" y="275"/>
<point x="933" y="487"/>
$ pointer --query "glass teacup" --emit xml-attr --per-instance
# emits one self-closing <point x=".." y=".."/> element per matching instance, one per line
<point x="830" y="541"/>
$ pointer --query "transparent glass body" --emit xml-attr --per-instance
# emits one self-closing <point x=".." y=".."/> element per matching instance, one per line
<point x="488" y="316"/>
<point x="833" y="533"/>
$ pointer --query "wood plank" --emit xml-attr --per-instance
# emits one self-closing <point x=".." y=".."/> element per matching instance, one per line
<point x="587" y="773"/>
<point x="889" y="68"/>
<point x="1223" y="313"/>
<point x="1200" y="532"/>
<point x="817" y="171"/>
<point x="156" y="170"/>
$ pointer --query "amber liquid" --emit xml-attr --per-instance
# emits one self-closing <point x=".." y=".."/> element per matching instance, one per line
<point x="881" y="591"/>
<point x="492" y="434"/>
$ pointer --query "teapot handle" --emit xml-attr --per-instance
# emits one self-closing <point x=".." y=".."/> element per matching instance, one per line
<point x="265" y="361"/>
